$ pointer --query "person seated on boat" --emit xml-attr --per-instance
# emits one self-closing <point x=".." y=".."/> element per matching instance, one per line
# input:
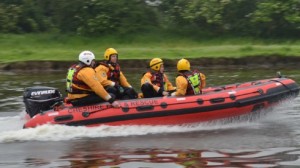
<point x="188" y="82"/>
<point x="82" y="85"/>
<point x="155" y="82"/>
<point x="112" y="78"/>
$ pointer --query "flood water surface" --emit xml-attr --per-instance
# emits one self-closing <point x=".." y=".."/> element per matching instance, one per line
<point x="271" y="140"/>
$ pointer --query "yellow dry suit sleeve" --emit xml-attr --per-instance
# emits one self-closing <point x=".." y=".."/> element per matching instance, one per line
<point x="203" y="80"/>
<point x="168" y="85"/>
<point x="123" y="80"/>
<point x="181" y="86"/>
<point x="101" y="73"/>
<point x="88" y="76"/>
<point x="147" y="79"/>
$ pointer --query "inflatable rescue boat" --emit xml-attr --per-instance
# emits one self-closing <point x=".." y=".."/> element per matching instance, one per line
<point x="44" y="105"/>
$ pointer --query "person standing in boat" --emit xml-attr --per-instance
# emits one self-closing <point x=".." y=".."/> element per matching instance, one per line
<point x="188" y="82"/>
<point x="83" y="86"/>
<point x="155" y="82"/>
<point x="112" y="78"/>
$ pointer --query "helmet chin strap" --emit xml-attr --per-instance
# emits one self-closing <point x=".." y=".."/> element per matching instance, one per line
<point x="93" y="65"/>
<point x="112" y="63"/>
<point x="82" y="63"/>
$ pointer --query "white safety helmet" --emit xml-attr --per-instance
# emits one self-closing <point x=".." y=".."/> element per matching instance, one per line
<point x="86" y="57"/>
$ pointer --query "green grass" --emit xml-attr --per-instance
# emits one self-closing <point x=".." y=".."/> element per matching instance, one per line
<point x="140" y="46"/>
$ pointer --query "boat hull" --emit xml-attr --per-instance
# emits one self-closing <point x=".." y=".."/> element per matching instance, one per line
<point x="215" y="103"/>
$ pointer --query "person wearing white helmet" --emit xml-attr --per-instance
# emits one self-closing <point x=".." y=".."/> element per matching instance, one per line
<point x="83" y="86"/>
<point x="112" y="78"/>
<point x="155" y="82"/>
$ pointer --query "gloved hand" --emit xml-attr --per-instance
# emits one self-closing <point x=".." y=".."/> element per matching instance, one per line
<point x="115" y="104"/>
<point x="130" y="93"/>
<point x="112" y="98"/>
<point x="119" y="88"/>
<point x="134" y="93"/>
<point x="162" y="92"/>
<point x="113" y="101"/>
<point x="165" y="93"/>
<point x="169" y="93"/>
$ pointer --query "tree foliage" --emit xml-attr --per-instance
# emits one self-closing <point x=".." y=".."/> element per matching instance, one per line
<point x="263" y="18"/>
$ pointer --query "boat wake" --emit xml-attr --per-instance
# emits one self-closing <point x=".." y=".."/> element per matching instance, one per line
<point x="11" y="130"/>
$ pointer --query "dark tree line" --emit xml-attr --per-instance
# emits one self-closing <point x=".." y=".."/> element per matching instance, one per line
<point x="260" y="18"/>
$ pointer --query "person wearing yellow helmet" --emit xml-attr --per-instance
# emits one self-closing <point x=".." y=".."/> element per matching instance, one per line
<point x="112" y="78"/>
<point x="188" y="82"/>
<point x="83" y="86"/>
<point x="155" y="82"/>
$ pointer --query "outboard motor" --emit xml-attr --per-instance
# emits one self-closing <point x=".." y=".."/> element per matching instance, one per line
<point x="40" y="98"/>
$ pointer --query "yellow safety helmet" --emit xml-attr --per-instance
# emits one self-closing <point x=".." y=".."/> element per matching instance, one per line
<point x="108" y="52"/>
<point x="183" y="64"/>
<point x="155" y="64"/>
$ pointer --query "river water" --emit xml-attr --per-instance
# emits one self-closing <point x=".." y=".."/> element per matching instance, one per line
<point x="271" y="140"/>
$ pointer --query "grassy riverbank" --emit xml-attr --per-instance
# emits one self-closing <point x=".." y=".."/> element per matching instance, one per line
<point x="15" y="48"/>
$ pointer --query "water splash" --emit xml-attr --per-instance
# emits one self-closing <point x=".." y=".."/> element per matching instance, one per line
<point x="11" y="130"/>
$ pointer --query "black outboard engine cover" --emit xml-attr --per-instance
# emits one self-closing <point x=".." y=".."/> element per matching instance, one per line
<point x="40" y="98"/>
